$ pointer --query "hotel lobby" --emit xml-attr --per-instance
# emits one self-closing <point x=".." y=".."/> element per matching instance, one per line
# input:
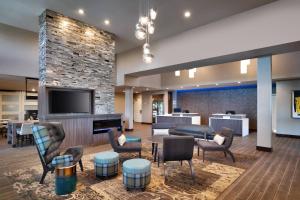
<point x="149" y="99"/>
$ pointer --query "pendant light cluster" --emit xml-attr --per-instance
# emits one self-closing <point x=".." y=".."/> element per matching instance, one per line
<point x="145" y="28"/>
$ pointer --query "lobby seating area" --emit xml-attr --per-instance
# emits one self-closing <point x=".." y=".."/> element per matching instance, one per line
<point x="148" y="99"/>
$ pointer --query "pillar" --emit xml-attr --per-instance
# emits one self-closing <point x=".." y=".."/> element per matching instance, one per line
<point x="264" y="103"/>
<point x="129" y="108"/>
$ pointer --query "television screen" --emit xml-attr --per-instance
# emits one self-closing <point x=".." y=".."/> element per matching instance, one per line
<point x="70" y="101"/>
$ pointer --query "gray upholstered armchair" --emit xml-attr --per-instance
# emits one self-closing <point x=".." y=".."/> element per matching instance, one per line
<point x="177" y="148"/>
<point x="53" y="136"/>
<point x="213" y="146"/>
<point x="130" y="147"/>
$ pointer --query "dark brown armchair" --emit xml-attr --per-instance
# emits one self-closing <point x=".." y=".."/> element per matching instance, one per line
<point x="177" y="148"/>
<point x="213" y="146"/>
<point x="130" y="147"/>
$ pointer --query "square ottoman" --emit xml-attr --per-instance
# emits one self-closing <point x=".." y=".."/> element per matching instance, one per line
<point x="136" y="173"/>
<point x="106" y="164"/>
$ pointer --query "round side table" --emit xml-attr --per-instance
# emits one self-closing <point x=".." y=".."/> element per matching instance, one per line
<point x="65" y="179"/>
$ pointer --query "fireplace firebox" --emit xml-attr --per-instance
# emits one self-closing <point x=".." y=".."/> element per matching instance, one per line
<point x="103" y="126"/>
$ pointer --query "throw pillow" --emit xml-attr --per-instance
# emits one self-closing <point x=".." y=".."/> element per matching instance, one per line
<point x="219" y="139"/>
<point x="122" y="140"/>
<point x="160" y="131"/>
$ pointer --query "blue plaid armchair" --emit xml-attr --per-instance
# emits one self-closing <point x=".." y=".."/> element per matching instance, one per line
<point x="48" y="138"/>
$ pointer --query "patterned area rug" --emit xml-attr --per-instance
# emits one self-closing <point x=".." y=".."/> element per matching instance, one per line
<point x="212" y="178"/>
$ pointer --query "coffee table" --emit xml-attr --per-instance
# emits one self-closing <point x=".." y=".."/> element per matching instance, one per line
<point x="65" y="178"/>
<point x="156" y="140"/>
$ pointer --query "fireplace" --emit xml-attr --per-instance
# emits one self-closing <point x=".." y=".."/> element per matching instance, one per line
<point x="103" y="126"/>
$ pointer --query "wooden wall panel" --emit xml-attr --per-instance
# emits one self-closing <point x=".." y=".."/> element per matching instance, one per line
<point x="79" y="131"/>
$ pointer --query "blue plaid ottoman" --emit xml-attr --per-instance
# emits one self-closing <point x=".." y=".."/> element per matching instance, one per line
<point x="106" y="163"/>
<point x="136" y="173"/>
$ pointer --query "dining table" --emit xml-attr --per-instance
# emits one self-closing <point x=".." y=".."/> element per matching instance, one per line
<point x="12" y="127"/>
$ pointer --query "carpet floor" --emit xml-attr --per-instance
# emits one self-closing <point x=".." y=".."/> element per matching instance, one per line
<point x="212" y="177"/>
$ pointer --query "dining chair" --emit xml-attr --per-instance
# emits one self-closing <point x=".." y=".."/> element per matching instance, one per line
<point x="25" y="134"/>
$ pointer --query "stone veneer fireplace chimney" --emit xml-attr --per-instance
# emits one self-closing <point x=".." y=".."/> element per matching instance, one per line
<point x="76" y="55"/>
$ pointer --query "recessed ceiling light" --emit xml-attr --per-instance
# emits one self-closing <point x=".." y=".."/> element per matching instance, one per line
<point x="187" y="14"/>
<point x="81" y="11"/>
<point x="106" y="22"/>
<point x="217" y="83"/>
<point x="167" y="88"/>
<point x="197" y="85"/>
<point x="239" y="82"/>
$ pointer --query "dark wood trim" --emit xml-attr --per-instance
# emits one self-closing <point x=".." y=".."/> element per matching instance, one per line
<point x="266" y="149"/>
<point x="146" y="123"/>
<point x="288" y="136"/>
<point x="127" y="129"/>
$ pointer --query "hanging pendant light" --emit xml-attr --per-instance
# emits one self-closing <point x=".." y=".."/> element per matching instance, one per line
<point x="151" y="28"/>
<point x="140" y="32"/>
<point x="153" y="14"/>
<point x="148" y="58"/>
<point x="145" y="28"/>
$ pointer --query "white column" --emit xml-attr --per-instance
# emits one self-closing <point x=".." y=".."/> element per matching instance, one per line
<point x="129" y="107"/>
<point x="264" y="103"/>
<point x="166" y="102"/>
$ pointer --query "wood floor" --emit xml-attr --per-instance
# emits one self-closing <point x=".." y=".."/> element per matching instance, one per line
<point x="274" y="175"/>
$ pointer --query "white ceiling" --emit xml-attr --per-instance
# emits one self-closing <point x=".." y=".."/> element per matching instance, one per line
<point x="123" y="14"/>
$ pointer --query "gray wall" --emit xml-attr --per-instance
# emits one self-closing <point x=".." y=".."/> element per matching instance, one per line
<point x="76" y="55"/>
<point x="284" y="121"/>
<point x="18" y="52"/>
<point x="242" y="100"/>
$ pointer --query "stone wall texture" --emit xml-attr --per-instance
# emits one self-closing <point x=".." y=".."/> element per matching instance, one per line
<point x="76" y="55"/>
<point x="207" y="102"/>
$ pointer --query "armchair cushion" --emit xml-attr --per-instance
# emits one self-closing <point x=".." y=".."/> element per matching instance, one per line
<point x="210" y="145"/>
<point x="41" y="138"/>
<point x="63" y="159"/>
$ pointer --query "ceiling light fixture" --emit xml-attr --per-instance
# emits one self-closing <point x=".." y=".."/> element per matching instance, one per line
<point x="187" y="14"/>
<point x="106" y="22"/>
<point x="192" y="72"/>
<point x="177" y="73"/>
<point x="81" y="11"/>
<point x="145" y="27"/>
<point x="244" y="66"/>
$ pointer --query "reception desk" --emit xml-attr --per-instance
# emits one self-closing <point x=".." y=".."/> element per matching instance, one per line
<point x="180" y="118"/>
<point x="237" y="122"/>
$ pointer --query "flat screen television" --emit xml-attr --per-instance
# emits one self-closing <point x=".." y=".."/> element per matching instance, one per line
<point x="70" y="101"/>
